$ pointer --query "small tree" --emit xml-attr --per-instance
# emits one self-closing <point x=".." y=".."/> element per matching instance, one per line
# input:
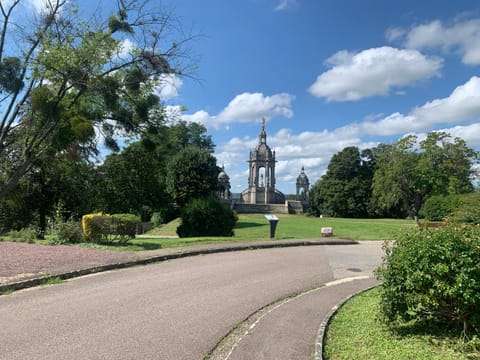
<point x="64" y="78"/>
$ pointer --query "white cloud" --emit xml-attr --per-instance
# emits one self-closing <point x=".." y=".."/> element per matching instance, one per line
<point x="394" y="33"/>
<point x="457" y="114"/>
<point x="354" y="76"/>
<point x="169" y="86"/>
<point x="463" y="36"/>
<point x="41" y="6"/>
<point x="125" y="48"/>
<point x="469" y="133"/>
<point x="463" y="104"/>
<point x="245" y="108"/>
<point x="312" y="150"/>
<point x="286" y="4"/>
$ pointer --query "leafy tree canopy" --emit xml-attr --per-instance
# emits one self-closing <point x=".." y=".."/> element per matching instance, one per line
<point x="76" y="78"/>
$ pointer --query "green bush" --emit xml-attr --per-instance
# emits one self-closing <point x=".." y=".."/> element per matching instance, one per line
<point x="123" y="226"/>
<point x="66" y="232"/>
<point x="433" y="274"/>
<point x="28" y="235"/>
<point x="468" y="210"/>
<point x="438" y="207"/>
<point x="156" y="219"/>
<point x="104" y="228"/>
<point x="206" y="217"/>
<point x="96" y="227"/>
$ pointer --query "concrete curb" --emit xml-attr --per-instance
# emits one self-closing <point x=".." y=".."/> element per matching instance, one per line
<point x="322" y="330"/>
<point x="181" y="254"/>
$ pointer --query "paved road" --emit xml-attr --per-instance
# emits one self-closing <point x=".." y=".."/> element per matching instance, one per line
<point x="172" y="310"/>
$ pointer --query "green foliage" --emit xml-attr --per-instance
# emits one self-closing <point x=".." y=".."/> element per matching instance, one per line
<point x="438" y="207"/>
<point x="104" y="228"/>
<point x="96" y="227"/>
<point x="70" y="76"/>
<point x="156" y="219"/>
<point x="433" y="275"/>
<point x="28" y="235"/>
<point x="345" y="189"/>
<point x="65" y="231"/>
<point x="206" y="217"/>
<point x="191" y="174"/>
<point x="406" y="175"/>
<point x="468" y="209"/>
<point x="123" y="226"/>
<point x="11" y="75"/>
<point x="356" y="332"/>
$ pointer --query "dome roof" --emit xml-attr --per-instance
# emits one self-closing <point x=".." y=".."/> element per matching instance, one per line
<point x="302" y="178"/>
<point x="223" y="177"/>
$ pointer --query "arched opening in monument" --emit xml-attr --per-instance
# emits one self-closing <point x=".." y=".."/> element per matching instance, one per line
<point x="262" y="173"/>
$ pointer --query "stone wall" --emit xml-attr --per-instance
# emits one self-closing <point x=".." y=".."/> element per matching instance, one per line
<point x="289" y="207"/>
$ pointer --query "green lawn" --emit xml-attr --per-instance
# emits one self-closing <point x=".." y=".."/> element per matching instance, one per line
<point x="356" y="329"/>
<point x="254" y="227"/>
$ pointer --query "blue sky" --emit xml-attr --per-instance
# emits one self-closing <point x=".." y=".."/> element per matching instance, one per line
<point x="327" y="74"/>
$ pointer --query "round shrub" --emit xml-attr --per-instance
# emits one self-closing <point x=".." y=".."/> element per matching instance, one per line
<point x="468" y="210"/>
<point x="433" y="274"/>
<point x="438" y="207"/>
<point x="123" y="226"/>
<point x="206" y="217"/>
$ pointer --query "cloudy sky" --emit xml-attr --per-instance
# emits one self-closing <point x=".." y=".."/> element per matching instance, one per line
<point x="327" y="74"/>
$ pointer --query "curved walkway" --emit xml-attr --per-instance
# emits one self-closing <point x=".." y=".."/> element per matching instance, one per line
<point x="287" y="329"/>
<point x="25" y="265"/>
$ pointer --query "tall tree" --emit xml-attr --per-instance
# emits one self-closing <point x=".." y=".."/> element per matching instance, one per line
<point x="135" y="179"/>
<point x="408" y="173"/>
<point x="345" y="189"/>
<point x="73" y="78"/>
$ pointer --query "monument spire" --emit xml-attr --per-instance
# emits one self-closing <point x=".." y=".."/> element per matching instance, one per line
<point x="263" y="133"/>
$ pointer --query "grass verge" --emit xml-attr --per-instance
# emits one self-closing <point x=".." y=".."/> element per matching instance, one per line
<point x="356" y="329"/>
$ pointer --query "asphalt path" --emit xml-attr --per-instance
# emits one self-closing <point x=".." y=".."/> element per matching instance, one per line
<point x="171" y="310"/>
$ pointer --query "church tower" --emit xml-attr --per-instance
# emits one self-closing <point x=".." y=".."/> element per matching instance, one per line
<point x="261" y="179"/>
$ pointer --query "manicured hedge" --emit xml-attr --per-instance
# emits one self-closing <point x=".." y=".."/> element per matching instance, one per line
<point x="102" y="227"/>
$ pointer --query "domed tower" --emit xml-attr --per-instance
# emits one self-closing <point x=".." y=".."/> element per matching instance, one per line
<point x="223" y="185"/>
<point x="303" y="186"/>
<point x="261" y="179"/>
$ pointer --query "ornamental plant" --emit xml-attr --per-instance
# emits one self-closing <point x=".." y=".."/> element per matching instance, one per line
<point x="206" y="217"/>
<point x="102" y="227"/>
<point x="433" y="274"/>
<point x="96" y="226"/>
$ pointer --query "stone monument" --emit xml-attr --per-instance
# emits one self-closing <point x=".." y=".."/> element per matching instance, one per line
<point x="261" y="179"/>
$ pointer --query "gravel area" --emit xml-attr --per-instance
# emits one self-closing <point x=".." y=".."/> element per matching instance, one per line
<point x="22" y="261"/>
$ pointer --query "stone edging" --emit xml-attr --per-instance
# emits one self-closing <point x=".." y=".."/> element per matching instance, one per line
<point x="322" y="330"/>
